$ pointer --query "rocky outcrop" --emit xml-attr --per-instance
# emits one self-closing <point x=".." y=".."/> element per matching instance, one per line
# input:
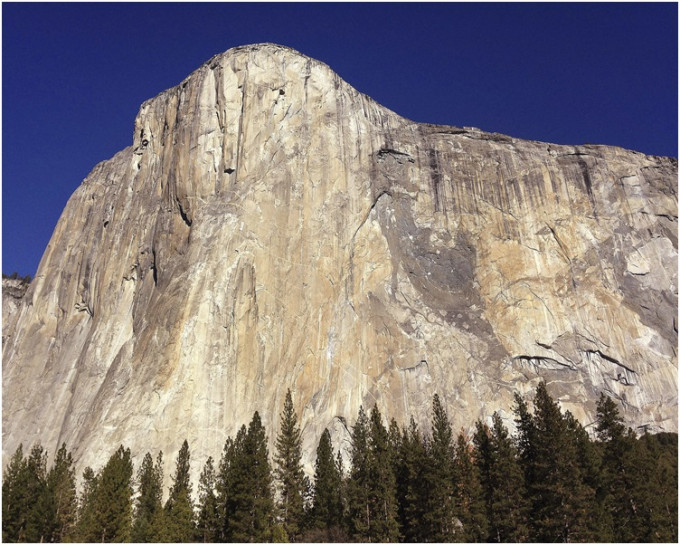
<point x="271" y="228"/>
<point x="13" y="291"/>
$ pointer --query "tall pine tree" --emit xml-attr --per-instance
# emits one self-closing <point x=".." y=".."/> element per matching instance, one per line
<point x="470" y="508"/>
<point x="14" y="502"/>
<point x="36" y="496"/>
<point x="383" y="496"/>
<point x="371" y="490"/>
<point x="502" y="483"/>
<point x="327" y="510"/>
<point x="86" y="505"/>
<point x="289" y="473"/>
<point x="358" y="485"/>
<point x="412" y="491"/>
<point x="439" y="517"/>
<point x="61" y="499"/>
<point x="207" y="526"/>
<point x="245" y="492"/>
<point x="148" y="505"/>
<point x="107" y="509"/>
<point x="179" y="526"/>
<point x="554" y="477"/>
<point x="639" y="480"/>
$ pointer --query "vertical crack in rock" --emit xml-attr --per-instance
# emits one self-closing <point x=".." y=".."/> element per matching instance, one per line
<point x="154" y="267"/>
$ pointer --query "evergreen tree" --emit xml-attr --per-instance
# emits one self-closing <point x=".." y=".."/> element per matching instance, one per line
<point x="326" y="512"/>
<point x="591" y="523"/>
<point x="657" y="492"/>
<point x="223" y="484"/>
<point x="86" y="507"/>
<point x="179" y="510"/>
<point x="469" y="498"/>
<point x="502" y="483"/>
<point x="289" y="473"/>
<point x="245" y="491"/>
<point x="148" y="504"/>
<point x="639" y="480"/>
<point x="342" y="534"/>
<point x="61" y="498"/>
<point x="36" y="497"/>
<point x="618" y="447"/>
<point x="108" y="501"/>
<point x="371" y="490"/>
<point x="382" y="484"/>
<point x="358" y="486"/>
<point x="208" y="520"/>
<point x="412" y="492"/>
<point x="14" y="502"/>
<point x="609" y="425"/>
<point x="554" y="477"/>
<point x="439" y="519"/>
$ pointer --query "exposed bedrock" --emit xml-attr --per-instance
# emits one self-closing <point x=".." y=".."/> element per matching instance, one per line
<point x="270" y="228"/>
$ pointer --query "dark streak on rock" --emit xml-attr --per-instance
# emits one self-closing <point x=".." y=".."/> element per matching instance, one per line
<point x="154" y="268"/>
<point x="610" y="359"/>
<point x="183" y="214"/>
<point x="435" y="175"/>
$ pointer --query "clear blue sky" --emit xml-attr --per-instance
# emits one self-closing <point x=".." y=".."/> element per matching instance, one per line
<point x="74" y="75"/>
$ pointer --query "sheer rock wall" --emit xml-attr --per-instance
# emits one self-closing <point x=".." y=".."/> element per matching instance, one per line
<point x="271" y="228"/>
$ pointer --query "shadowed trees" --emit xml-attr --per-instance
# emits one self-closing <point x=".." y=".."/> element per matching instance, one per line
<point x="549" y="481"/>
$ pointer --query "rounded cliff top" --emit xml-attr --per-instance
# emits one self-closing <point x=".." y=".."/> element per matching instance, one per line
<point x="263" y="49"/>
<point x="259" y="49"/>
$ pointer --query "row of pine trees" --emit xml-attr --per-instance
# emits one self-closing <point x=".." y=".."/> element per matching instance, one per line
<point x="549" y="482"/>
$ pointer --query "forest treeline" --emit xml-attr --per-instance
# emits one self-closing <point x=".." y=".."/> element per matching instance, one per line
<point x="549" y="481"/>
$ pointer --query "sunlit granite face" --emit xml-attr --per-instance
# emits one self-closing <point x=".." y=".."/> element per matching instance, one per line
<point x="271" y="228"/>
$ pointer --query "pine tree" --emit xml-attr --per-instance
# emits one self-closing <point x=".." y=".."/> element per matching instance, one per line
<point x="179" y="509"/>
<point x="469" y="498"/>
<point x="107" y="515"/>
<point x="326" y="512"/>
<point x="208" y="521"/>
<point x="371" y="490"/>
<point x="502" y="483"/>
<point x="223" y="485"/>
<point x="86" y="507"/>
<point x="639" y="480"/>
<point x="382" y="484"/>
<point x="412" y="492"/>
<point x="246" y="503"/>
<point x="439" y="518"/>
<point x="289" y="473"/>
<point x="257" y="454"/>
<point x="14" y="504"/>
<point x="36" y="497"/>
<point x="554" y="478"/>
<point x="148" y="504"/>
<point x="657" y="493"/>
<point x="589" y="516"/>
<point x="358" y="486"/>
<point x="232" y="475"/>
<point x="609" y="425"/>
<point x="61" y="499"/>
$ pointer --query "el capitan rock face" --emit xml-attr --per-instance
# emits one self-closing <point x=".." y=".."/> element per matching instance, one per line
<point x="271" y="228"/>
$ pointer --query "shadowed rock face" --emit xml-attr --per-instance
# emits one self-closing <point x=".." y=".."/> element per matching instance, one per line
<point x="271" y="228"/>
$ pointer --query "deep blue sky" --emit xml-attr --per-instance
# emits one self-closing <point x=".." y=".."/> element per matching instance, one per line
<point x="74" y="75"/>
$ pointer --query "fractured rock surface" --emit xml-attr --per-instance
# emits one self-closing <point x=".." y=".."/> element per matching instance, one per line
<point x="271" y="228"/>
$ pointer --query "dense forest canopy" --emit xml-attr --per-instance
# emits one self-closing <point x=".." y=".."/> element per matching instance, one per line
<point x="549" y="481"/>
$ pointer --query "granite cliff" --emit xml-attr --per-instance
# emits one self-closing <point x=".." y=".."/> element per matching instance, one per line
<point x="270" y="227"/>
